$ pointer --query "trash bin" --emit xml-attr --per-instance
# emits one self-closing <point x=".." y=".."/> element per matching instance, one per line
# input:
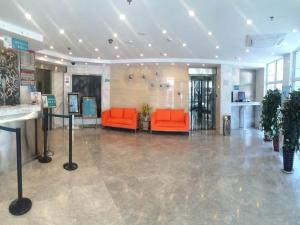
<point x="226" y="125"/>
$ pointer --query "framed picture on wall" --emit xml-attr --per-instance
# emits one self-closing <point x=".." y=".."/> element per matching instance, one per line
<point x="73" y="103"/>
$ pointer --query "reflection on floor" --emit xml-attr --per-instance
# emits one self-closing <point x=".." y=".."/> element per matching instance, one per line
<point x="127" y="178"/>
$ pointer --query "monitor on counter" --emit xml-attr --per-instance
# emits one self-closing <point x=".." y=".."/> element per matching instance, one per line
<point x="241" y="96"/>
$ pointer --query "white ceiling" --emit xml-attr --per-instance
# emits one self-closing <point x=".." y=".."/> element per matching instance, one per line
<point x="95" y="21"/>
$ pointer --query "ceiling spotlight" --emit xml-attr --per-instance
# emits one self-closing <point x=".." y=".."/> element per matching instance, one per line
<point x="62" y="60"/>
<point x="122" y="17"/>
<point x="28" y="16"/>
<point x="116" y="47"/>
<point x="80" y="40"/>
<point x="164" y="31"/>
<point x="191" y="13"/>
<point x="209" y="33"/>
<point x="149" y="45"/>
<point x="183" y="44"/>
<point x="216" y="56"/>
<point x="115" y="35"/>
<point x="61" y="31"/>
<point x="118" y="56"/>
<point x="86" y="63"/>
<point x="156" y="64"/>
<point x="70" y="53"/>
<point x="295" y="30"/>
<point x="51" y="47"/>
<point x="247" y="50"/>
<point x="203" y="64"/>
<point x="188" y="64"/>
<point x="249" y="22"/>
<point x="96" y="49"/>
<point x="45" y="56"/>
<point x="127" y="64"/>
<point x="217" y="47"/>
<point x="165" y="54"/>
<point x="142" y="64"/>
<point x="141" y="54"/>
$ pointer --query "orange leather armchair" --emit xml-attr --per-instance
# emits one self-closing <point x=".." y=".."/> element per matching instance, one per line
<point x="171" y="120"/>
<point x="120" y="118"/>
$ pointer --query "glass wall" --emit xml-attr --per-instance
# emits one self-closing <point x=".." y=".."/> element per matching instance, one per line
<point x="296" y="77"/>
<point x="275" y="75"/>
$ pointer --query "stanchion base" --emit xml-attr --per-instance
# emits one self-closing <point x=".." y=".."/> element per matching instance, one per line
<point x="45" y="159"/>
<point x="20" y="206"/>
<point x="70" y="166"/>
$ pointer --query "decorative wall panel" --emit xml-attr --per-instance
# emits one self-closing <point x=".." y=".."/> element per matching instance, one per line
<point x="9" y="78"/>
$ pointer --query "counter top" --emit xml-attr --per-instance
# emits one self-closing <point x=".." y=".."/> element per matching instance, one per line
<point x="19" y="112"/>
<point x="245" y="103"/>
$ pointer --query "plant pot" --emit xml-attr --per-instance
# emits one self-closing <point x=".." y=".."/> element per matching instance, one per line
<point x="267" y="138"/>
<point x="288" y="160"/>
<point x="276" y="144"/>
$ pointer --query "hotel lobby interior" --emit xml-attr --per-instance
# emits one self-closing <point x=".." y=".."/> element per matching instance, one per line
<point x="119" y="112"/>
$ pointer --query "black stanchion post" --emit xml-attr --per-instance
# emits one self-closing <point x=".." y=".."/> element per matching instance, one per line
<point x="45" y="158"/>
<point x="21" y="205"/>
<point x="70" y="165"/>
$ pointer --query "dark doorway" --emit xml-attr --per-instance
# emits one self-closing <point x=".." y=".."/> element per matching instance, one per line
<point x="43" y="81"/>
<point x="202" y="102"/>
<point x="88" y="86"/>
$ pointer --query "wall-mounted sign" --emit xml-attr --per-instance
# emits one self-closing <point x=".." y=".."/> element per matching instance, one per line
<point x="236" y="87"/>
<point x="49" y="101"/>
<point x="19" y="44"/>
<point x="27" y="77"/>
<point x="67" y="80"/>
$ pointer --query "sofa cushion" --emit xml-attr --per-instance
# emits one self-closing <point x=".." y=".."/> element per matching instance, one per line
<point x="116" y="113"/>
<point x="177" y="115"/>
<point x="119" y="121"/>
<point x="163" y="114"/>
<point x="129" y="113"/>
<point x="170" y="124"/>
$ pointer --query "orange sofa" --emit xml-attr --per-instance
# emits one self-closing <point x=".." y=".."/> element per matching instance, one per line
<point x="121" y="118"/>
<point x="174" y="120"/>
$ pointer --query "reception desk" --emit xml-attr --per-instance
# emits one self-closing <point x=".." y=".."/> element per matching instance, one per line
<point x="241" y="111"/>
<point x="26" y="117"/>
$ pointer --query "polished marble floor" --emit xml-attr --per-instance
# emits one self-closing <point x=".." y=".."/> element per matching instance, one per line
<point x="134" y="179"/>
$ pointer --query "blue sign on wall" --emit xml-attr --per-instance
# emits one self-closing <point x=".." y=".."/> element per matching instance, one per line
<point x="20" y="44"/>
<point x="89" y="109"/>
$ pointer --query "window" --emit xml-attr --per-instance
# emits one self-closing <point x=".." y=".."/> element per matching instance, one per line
<point x="296" y="77"/>
<point x="275" y="75"/>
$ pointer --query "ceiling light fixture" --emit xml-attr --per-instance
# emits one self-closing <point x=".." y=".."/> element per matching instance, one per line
<point x="116" y="47"/>
<point x="86" y="63"/>
<point x="45" y="56"/>
<point x="183" y="44"/>
<point x="115" y="35"/>
<point x="127" y="64"/>
<point x="216" y="56"/>
<point x="249" y="22"/>
<point x="96" y="49"/>
<point x="118" y="56"/>
<point x="203" y="64"/>
<point x="188" y="64"/>
<point x="51" y="47"/>
<point x="247" y="50"/>
<point x="98" y="57"/>
<point x="142" y="64"/>
<point x="149" y="45"/>
<point x="191" y="13"/>
<point x="122" y="17"/>
<point x="141" y="54"/>
<point x="62" y="60"/>
<point x="27" y="16"/>
<point x="80" y="40"/>
<point x="165" y="54"/>
<point x="164" y="31"/>
<point x="70" y="53"/>
<point x="295" y="30"/>
<point x="217" y="47"/>
<point x="209" y="33"/>
<point x="61" y="31"/>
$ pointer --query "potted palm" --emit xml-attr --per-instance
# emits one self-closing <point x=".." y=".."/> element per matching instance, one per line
<point x="290" y="129"/>
<point x="145" y="113"/>
<point x="269" y="117"/>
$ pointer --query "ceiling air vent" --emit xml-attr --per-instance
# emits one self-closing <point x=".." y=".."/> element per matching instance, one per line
<point x="264" y="41"/>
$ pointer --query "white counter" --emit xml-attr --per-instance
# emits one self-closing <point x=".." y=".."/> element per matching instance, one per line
<point x="245" y="104"/>
<point x="19" y="112"/>
<point x="243" y="118"/>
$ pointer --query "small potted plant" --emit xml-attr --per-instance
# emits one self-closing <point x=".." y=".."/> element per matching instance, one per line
<point x="145" y="113"/>
<point x="290" y="129"/>
<point x="269" y="117"/>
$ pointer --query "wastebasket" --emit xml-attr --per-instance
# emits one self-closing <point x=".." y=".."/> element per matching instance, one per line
<point x="226" y="125"/>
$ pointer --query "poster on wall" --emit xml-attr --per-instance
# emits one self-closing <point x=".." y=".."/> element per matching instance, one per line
<point x="73" y="103"/>
<point x="27" y="77"/>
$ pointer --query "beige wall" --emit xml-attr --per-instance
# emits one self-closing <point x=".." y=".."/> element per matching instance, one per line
<point x="135" y="92"/>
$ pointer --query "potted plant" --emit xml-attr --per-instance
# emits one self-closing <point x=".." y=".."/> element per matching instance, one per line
<point x="290" y="129"/>
<point x="145" y="113"/>
<point x="269" y="117"/>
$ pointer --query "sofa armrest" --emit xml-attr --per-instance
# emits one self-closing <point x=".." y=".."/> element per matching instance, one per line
<point x="105" y="115"/>
<point x="187" y="120"/>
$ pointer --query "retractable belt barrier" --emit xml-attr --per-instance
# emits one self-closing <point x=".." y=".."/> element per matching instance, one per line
<point x="21" y="205"/>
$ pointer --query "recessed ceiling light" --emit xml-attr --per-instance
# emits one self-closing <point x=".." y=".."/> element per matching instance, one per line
<point x="142" y="64"/>
<point x="45" y="56"/>
<point x="156" y="64"/>
<point x="164" y="31"/>
<point x="203" y="64"/>
<point x="209" y="33"/>
<point x="127" y="64"/>
<point x="183" y="44"/>
<point x="216" y="56"/>
<point x="165" y="54"/>
<point x="61" y="31"/>
<point x="188" y="64"/>
<point x="191" y="13"/>
<point x="80" y="40"/>
<point x="217" y="47"/>
<point x="149" y="45"/>
<point x="96" y="49"/>
<point x="115" y="35"/>
<point x="295" y="30"/>
<point x="70" y="53"/>
<point x="86" y="63"/>
<point x="122" y="17"/>
<point x="141" y="54"/>
<point x="51" y="47"/>
<point x="247" y="50"/>
<point x="249" y="22"/>
<point x="98" y="57"/>
<point x="62" y="60"/>
<point x="116" y="47"/>
<point x="118" y="56"/>
<point x="28" y="16"/>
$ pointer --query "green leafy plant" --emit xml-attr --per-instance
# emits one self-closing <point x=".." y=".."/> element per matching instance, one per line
<point x="146" y="111"/>
<point x="270" y="113"/>
<point x="291" y="121"/>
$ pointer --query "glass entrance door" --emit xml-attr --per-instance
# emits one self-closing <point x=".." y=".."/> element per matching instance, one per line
<point x="202" y="102"/>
